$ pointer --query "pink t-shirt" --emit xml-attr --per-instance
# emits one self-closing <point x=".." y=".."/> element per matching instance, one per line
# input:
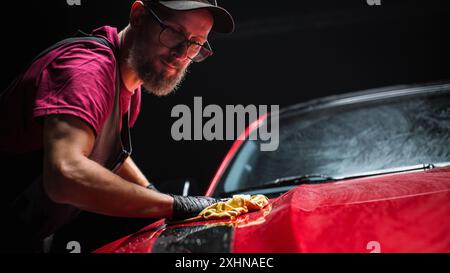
<point x="75" y="79"/>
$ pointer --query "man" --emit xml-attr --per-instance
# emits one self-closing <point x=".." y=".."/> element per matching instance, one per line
<point x="64" y="122"/>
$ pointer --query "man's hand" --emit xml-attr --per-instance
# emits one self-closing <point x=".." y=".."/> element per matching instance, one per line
<point x="185" y="207"/>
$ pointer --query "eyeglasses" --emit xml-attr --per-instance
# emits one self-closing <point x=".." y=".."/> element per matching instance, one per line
<point x="173" y="39"/>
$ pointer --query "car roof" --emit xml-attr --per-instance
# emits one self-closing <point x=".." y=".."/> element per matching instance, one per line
<point x="368" y="95"/>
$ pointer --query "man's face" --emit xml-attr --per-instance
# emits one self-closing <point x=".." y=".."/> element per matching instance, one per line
<point x="162" y="69"/>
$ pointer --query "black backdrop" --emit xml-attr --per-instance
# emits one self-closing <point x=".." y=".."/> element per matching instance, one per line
<point x="283" y="52"/>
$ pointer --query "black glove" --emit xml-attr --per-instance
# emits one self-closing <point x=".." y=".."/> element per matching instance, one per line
<point x="185" y="207"/>
<point x="152" y="187"/>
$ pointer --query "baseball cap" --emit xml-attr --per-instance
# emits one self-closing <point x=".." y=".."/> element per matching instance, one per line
<point x="223" y="21"/>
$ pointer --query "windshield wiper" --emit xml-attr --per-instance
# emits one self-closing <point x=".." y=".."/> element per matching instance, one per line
<point x="393" y="170"/>
<point x="288" y="181"/>
<point x="320" y="178"/>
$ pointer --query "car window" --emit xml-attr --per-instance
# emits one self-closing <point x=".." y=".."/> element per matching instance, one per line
<point x="347" y="139"/>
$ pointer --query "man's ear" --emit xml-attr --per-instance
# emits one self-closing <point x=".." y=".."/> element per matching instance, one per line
<point x="137" y="14"/>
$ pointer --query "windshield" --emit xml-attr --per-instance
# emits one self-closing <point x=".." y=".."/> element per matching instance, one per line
<point x="348" y="138"/>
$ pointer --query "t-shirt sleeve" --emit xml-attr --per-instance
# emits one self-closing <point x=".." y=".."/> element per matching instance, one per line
<point x="80" y="82"/>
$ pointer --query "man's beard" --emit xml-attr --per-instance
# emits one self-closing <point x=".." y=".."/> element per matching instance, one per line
<point x="155" y="82"/>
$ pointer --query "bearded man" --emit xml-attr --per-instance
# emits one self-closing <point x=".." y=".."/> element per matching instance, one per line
<point x="64" y="122"/>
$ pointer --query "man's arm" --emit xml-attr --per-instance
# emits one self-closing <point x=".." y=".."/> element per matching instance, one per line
<point x="130" y="172"/>
<point x="70" y="177"/>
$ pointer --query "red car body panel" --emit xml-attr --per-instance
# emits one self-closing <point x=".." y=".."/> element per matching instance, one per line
<point x="403" y="212"/>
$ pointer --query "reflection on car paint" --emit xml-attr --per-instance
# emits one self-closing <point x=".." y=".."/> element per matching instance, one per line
<point x="193" y="239"/>
<point x="249" y="220"/>
<point x="140" y="240"/>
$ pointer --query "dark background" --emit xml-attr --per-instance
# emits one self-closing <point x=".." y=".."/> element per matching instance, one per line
<point x="283" y="52"/>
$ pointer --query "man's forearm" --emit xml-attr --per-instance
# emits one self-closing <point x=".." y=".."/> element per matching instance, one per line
<point x="89" y="186"/>
<point x="130" y="172"/>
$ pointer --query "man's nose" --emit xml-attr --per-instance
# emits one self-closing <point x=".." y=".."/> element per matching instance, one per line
<point x="180" y="52"/>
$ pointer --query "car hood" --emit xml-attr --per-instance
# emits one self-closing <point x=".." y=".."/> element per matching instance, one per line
<point x="404" y="212"/>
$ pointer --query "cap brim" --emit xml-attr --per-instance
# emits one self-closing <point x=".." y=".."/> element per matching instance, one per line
<point x="223" y="21"/>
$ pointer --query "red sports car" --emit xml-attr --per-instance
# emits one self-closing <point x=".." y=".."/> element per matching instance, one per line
<point x="359" y="172"/>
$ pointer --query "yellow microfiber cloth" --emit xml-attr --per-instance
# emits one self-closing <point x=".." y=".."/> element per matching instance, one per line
<point x="234" y="207"/>
<point x="230" y="209"/>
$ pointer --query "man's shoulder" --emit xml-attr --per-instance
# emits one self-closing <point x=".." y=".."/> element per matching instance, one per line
<point x="109" y="33"/>
<point x="81" y="57"/>
<point x="82" y="53"/>
<point x="87" y="53"/>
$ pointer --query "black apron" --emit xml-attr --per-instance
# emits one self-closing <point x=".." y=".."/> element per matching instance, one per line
<point x="32" y="216"/>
